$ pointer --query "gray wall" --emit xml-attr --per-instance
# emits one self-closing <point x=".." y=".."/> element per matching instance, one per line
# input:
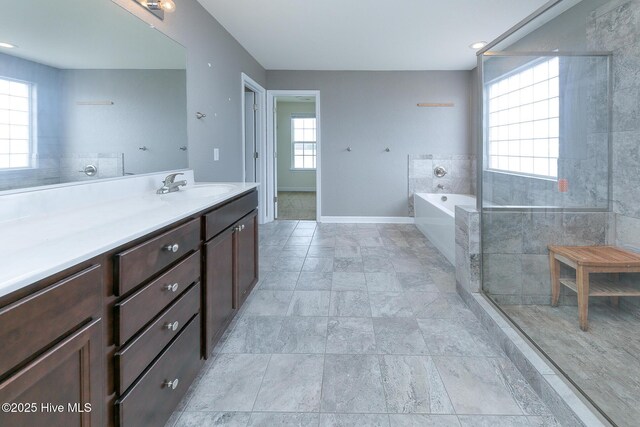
<point x="47" y="81"/>
<point x="149" y="110"/>
<point x="291" y="180"/>
<point x="215" y="91"/>
<point x="372" y="110"/>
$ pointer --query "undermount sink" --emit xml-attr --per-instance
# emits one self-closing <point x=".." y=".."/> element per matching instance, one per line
<point x="198" y="191"/>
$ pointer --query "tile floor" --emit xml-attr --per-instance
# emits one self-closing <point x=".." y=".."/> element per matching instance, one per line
<point x="356" y="325"/>
<point x="598" y="360"/>
<point x="296" y="205"/>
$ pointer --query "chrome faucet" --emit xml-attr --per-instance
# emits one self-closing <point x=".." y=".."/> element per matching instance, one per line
<point x="170" y="185"/>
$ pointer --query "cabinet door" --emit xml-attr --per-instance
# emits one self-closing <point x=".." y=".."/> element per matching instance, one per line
<point x="218" y="290"/>
<point x="246" y="251"/>
<point x="62" y="387"/>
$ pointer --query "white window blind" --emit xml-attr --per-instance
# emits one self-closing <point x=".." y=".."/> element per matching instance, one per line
<point x="15" y="124"/>
<point x="524" y="121"/>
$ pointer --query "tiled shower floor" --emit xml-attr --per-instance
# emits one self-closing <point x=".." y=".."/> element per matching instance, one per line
<point x="603" y="361"/>
<point x="357" y="325"/>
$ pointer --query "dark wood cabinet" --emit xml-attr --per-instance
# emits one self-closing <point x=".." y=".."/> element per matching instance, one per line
<point x="246" y="254"/>
<point x="135" y="265"/>
<point x="152" y="399"/>
<point x="135" y="311"/>
<point x="54" y="373"/>
<point x="154" y="324"/>
<point x="62" y="387"/>
<point x="230" y="264"/>
<point x="134" y="358"/>
<point x="108" y="338"/>
<point x="219" y="290"/>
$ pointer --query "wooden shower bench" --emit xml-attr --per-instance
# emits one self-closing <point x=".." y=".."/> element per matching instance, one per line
<point x="592" y="259"/>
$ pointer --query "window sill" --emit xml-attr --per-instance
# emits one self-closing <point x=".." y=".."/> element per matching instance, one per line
<point x="302" y="169"/>
<point x="522" y="175"/>
<point x="23" y="169"/>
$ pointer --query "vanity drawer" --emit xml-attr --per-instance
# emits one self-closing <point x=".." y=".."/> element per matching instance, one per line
<point x="137" y="310"/>
<point x="31" y="324"/>
<point x="136" y="356"/>
<point x="151" y="399"/>
<point x="219" y="219"/>
<point x="137" y="264"/>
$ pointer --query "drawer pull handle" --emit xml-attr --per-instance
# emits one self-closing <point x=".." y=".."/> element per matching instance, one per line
<point x="239" y="227"/>
<point x="171" y="288"/>
<point x="171" y="248"/>
<point x="172" y="326"/>
<point x="242" y="227"/>
<point x="172" y="385"/>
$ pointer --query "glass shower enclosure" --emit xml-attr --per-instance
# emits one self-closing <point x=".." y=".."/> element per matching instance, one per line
<point x="545" y="174"/>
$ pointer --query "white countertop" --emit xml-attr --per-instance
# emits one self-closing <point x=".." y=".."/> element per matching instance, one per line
<point x="40" y="244"/>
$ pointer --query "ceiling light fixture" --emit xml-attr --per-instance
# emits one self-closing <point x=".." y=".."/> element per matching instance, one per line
<point x="158" y="7"/>
<point x="478" y="45"/>
<point x="7" y="45"/>
<point x="165" y="5"/>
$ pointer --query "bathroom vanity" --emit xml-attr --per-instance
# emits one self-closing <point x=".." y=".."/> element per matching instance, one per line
<point x="108" y="311"/>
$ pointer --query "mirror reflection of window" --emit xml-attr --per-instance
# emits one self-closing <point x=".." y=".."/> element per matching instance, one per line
<point x="303" y="141"/>
<point x="524" y="120"/>
<point x="15" y="124"/>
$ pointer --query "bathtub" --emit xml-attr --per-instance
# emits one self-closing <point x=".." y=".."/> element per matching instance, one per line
<point x="435" y="217"/>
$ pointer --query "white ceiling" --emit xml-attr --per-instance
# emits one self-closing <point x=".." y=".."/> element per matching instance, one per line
<point x="367" y="34"/>
<point x="85" y="34"/>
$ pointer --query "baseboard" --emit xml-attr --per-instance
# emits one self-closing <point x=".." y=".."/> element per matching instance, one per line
<point x="367" y="219"/>
<point x="298" y="189"/>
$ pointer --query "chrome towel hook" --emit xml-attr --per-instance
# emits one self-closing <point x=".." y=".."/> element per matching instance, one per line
<point x="387" y="149"/>
<point x="200" y="115"/>
<point x="349" y="148"/>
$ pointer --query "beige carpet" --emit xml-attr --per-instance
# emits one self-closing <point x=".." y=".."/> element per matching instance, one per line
<point x="297" y="205"/>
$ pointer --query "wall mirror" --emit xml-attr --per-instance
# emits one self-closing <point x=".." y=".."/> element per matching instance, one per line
<point x="87" y="91"/>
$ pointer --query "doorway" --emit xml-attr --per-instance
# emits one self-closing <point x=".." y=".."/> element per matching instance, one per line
<point x="254" y="141"/>
<point x="294" y="148"/>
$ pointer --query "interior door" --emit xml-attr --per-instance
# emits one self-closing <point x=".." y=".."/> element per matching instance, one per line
<point x="275" y="158"/>
<point x="250" y="136"/>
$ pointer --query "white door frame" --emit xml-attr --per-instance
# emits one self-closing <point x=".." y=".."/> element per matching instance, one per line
<point x="261" y="143"/>
<point x="271" y="141"/>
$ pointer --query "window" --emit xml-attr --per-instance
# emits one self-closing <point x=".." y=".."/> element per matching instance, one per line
<point x="15" y="124"/>
<point x="303" y="142"/>
<point x="524" y="120"/>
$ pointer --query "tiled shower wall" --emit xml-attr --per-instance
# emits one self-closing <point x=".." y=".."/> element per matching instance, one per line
<point x="615" y="27"/>
<point x="109" y="165"/>
<point x="515" y="260"/>
<point x="47" y="173"/>
<point x="467" y="220"/>
<point x="584" y="154"/>
<point x="460" y="177"/>
<point x="515" y="257"/>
